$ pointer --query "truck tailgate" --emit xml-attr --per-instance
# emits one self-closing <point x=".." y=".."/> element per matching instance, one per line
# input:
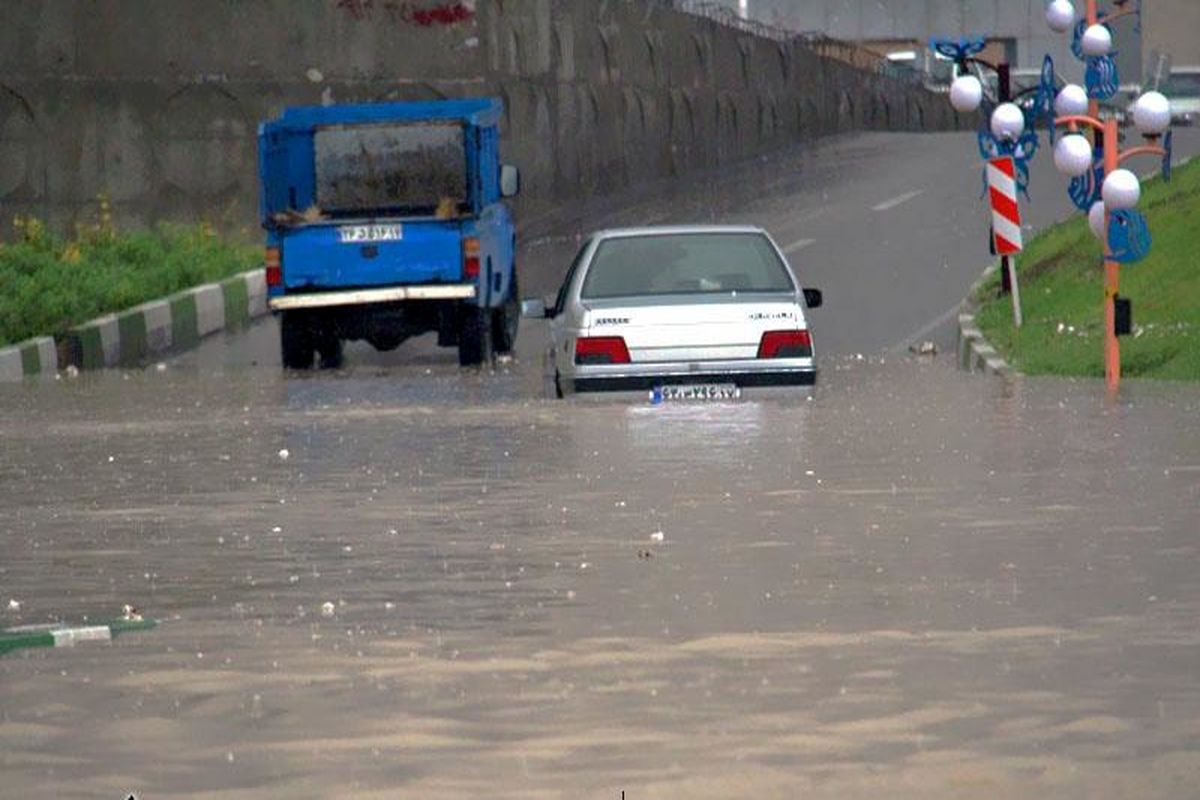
<point x="354" y="254"/>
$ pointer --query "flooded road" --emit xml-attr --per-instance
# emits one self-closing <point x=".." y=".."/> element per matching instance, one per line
<point x="908" y="583"/>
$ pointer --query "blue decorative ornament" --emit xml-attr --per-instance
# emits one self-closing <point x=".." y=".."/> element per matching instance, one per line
<point x="1043" y="102"/>
<point x="1102" y="77"/>
<point x="1084" y="191"/>
<point x="957" y="50"/>
<point x="1128" y="236"/>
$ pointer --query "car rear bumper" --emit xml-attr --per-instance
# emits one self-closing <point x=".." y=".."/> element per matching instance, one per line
<point x="644" y="382"/>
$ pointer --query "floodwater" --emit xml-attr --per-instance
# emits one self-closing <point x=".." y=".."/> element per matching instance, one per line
<point x="907" y="583"/>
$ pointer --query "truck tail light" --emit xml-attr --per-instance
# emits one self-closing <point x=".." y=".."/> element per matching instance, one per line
<point x="601" y="350"/>
<point x="273" y="261"/>
<point x="785" y="344"/>
<point x="471" y="258"/>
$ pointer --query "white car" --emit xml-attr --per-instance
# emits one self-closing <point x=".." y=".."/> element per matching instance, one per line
<point x="1182" y="89"/>
<point x="681" y="312"/>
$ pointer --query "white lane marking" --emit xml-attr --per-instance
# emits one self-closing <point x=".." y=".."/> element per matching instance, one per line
<point x="916" y="337"/>
<point x="799" y="244"/>
<point x="887" y="205"/>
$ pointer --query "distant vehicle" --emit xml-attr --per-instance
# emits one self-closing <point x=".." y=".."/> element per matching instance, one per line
<point x="1182" y="89"/>
<point x="684" y="312"/>
<point x="386" y="221"/>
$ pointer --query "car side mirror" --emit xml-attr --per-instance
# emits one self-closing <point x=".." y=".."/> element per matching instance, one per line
<point x="510" y="181"/>
<point x="813" y="298"/>
<point x="534" y="309"/>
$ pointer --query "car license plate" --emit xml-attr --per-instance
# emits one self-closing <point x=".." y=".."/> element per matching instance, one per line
<point x="360" y="234"/>
<point x="703" y="391"/>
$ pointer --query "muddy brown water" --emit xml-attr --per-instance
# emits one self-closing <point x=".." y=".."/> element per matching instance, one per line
<point x="907" y="583"/>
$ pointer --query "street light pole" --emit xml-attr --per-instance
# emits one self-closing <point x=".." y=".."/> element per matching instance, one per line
<point x="1113" y="158"/>
<point x="1094" y="42"/>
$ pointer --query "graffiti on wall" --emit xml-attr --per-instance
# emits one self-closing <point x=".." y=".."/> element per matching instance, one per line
<point x="426" y="15"/>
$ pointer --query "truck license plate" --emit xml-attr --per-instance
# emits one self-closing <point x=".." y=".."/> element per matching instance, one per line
<point x="706" y="391"/>
<point x="359" y="234"/>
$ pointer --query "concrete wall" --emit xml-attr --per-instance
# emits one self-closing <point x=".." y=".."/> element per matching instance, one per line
<point x="154" y="103"/>
<point x="605" y="94"/>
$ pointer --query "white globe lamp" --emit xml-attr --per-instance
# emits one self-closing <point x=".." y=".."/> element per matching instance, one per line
<point x="1072" y="101"/>
<point x="1096" y="219"/>
<point x="1008" y="122"/>
<point x="1121" y="190"/>
<point x="1152" y="113"/>
<point x="1096" y="41"/>
<point x="1060" y="15"/>
<point x="966" y="93"/>
<point x="1073" y="155"/>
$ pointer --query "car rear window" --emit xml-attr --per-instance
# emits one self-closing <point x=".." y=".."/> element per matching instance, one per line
<point x="685" y="263"/>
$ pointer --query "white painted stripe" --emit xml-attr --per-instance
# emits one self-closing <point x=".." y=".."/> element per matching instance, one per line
<point x="67" y="637"/>
<point x="10" y="364"/>
<point x="256" y="292"/>
<point x="895" y="201"/>
<point x="1006" y="229"/>
<point x="210" y="308"/>
<point x="461" y="291"/>
<point x="1002" y="183"/>
<point x="799" y="244"/>
<point x="48" y="355"/>
<point x="159" y="330"/>
<point x="110" y="339"/>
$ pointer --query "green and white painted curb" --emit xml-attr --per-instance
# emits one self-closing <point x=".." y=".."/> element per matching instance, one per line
<point x="975" y="353"/>
<point x="130" y="338"/>
<point x="33" y="357"/>
<point x="59" y="635"/>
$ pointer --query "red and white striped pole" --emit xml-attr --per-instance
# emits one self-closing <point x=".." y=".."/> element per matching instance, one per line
<point x="1006" y="222"/>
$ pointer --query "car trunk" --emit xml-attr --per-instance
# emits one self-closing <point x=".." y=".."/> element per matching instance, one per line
<point x="692" y="327"/>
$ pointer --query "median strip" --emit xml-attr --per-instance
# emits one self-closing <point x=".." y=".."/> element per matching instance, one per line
<point x="60" y="635"/>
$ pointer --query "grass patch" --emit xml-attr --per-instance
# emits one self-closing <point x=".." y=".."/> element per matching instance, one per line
<point x="1062" y="294"/>
<point x="49" y="284"/>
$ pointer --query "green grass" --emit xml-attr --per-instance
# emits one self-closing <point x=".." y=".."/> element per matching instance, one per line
<point x="48" y="284"/>
<point x="1062" y="283"/>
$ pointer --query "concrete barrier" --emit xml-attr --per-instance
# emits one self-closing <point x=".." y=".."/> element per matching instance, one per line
<point x="975" y="353"/>
<point x="131" y="338"/>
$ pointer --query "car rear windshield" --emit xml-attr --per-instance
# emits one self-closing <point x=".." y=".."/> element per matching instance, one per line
<point x="685" y="263"/>
<point x="1182" y="84"/>
<point x="414" y="168"/>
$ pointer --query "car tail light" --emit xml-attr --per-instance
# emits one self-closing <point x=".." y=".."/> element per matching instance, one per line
<point x="785" y="344"/>
<point x="601" y="350"/>
<point x="471" y="258"/>
<point x="273" y="261"/>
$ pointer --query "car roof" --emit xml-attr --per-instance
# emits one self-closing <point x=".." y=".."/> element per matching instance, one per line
<point x="673" y="230"/>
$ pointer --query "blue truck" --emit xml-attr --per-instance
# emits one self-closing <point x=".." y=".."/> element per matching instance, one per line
<point x="385" y="221"/>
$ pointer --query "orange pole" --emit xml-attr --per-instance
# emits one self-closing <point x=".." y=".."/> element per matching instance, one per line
<point x="1112" y="347"/>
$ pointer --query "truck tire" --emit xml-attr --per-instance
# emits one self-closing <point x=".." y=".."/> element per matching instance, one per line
<point x="506" y="319"/>
<point x="296" y="346"/>
<point x="329" y="347"/>
<point x="474" y="336"/>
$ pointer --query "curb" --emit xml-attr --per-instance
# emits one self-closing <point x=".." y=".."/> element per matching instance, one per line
<point x="975" y="353"/>
<point x="129" y="338"/>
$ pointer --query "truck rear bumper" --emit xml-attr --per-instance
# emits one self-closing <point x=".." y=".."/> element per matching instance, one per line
<point x="354" y="297"/>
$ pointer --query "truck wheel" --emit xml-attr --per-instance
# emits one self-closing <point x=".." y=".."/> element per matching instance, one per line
<point x="295" y="341"/>
<point x="474" y="336"/>
<point x="329" y="347"/>
<point x="506" y="319"/>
